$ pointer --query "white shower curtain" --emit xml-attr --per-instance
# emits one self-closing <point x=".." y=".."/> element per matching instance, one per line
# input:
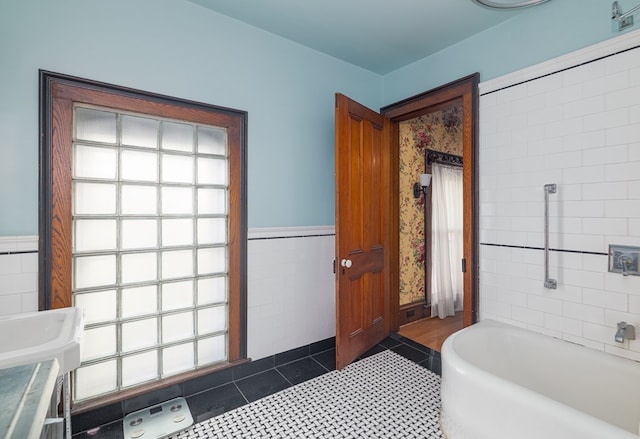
<point x="446" y="241"/>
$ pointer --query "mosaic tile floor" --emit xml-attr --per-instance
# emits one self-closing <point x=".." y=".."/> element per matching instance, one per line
<point x="367" y="399"/>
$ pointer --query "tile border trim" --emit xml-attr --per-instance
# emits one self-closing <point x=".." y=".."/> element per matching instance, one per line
<point x="560" y="250"/>
<point x="18" y="244"/>
<point x="290" y="232"/>
<point x="578" y="57"/>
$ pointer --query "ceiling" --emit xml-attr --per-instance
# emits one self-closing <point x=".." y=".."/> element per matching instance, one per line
<point x="378" y="35"/>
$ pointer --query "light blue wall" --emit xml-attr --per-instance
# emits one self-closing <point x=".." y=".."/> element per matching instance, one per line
<point x="535" y="35"/>
<point x="176" y="48"/>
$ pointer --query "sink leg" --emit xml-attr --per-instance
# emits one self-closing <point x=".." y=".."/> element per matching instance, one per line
<point x="66" y="404"/>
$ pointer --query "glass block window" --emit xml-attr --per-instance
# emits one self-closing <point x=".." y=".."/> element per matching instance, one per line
<point x="150" y="247"/>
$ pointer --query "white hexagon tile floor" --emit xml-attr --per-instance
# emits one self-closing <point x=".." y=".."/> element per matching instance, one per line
<point x="381" y="396"/>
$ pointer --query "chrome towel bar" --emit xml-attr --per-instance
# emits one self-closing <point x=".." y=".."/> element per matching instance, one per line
<point x="552" y="284"/>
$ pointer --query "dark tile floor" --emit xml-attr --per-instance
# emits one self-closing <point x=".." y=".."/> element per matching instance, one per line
<point x="252" y="381"/>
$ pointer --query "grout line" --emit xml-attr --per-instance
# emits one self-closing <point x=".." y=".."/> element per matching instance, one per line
<point x="254" y="374"/>
<point x="321" y="365"/>
<point x="241" y="394"/>
<point x="319" y="352"/>
<point x="285" y="378"/>
<point x="292" y="361"/>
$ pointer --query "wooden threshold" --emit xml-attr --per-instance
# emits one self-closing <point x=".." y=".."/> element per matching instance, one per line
<point x="432" y="331"/>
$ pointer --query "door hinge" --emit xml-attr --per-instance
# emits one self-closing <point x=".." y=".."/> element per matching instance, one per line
<point x="464" y="265"/>
<point x="334" y="266"/>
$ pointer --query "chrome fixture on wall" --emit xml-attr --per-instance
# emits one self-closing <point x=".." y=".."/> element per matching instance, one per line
<point x="625" y="332"/>
<point x="624" y="20"/>
<point x="624" y="259"/>
<point x="510" y="4"/>
<point x="548" y="282"/>
<point x="425" y="181"/>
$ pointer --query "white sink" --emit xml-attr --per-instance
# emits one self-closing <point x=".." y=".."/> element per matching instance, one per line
<point x="44" y="335"/>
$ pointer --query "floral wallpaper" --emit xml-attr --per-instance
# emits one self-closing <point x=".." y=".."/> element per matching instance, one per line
<point x="439" y="131"/>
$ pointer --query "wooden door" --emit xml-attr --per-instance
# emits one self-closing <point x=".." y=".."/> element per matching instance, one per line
<point x="363" y="198"/>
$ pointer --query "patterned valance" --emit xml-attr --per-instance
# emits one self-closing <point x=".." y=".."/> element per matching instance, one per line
<point x="442" y="158"/>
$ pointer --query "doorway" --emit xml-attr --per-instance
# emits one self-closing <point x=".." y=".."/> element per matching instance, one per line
<point x="368" y="213"/>
<point x="431" y="279"/>
<point x="437" y="128"/>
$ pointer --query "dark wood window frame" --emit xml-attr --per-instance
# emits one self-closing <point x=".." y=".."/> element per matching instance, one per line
<point x="58" y="94"/>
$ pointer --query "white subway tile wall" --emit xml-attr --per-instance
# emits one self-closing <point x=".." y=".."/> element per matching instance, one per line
<point x="580" y="129"/>
<point x="18" y="274"/>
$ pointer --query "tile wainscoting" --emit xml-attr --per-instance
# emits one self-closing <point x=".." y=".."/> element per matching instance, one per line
<point x="291" y="288"/>
<point x="18" y="274"/>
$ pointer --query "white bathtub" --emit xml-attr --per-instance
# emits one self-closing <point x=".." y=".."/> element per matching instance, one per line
<point x="500" y="381"/>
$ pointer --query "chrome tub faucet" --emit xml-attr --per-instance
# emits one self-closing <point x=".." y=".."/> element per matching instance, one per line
<point x="625" y="331"/>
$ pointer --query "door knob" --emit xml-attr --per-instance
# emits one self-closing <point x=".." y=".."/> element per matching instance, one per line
<point x="346" y="263"/>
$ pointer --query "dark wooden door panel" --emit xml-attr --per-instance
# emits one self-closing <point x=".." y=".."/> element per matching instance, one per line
<point x="362" y="174"/>
<point x="370" y="261"/>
